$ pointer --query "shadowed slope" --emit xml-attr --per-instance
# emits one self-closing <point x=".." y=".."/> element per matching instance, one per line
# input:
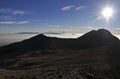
<point x="91" y="39"/>
<point x="40" y="51"/>
<point x="101" y="37"/>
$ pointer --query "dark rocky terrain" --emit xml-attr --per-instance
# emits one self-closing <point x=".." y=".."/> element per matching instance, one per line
<point x="95" y="55"/>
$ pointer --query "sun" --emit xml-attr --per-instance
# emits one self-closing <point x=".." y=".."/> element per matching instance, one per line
<point x="107" y="12"/>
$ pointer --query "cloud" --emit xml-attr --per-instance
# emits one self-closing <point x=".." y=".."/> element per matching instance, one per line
<point x="13" y="22"/>
<point x="65" y="30"/>
<point x="88" y="27"/>
<point x="23" y="22"/>
<point x="7" y="22"/>
<point x="99" y="17"/>
<point x="11" y="11"/>
<point x="117" y="36"/>
<point x="19" y="12"/>
<point x="64" y="34"/>
<point x="53" y="33"/>
<point x="55" y="26"/>
<point x="69" y="7"/>
<point x="66" y="8"/>
<point x="117" y="28"/>
<point x="80" y="7"/>
<point x="5" y="11"/>
<point x="6" y="17"/>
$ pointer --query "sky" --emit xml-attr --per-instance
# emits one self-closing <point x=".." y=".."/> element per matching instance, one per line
<point x="61" y="16"/>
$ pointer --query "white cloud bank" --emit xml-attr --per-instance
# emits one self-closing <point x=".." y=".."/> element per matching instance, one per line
<point x="117" y="28"/>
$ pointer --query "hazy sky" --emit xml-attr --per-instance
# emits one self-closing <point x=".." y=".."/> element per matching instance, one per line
<point x="72" y="16"/>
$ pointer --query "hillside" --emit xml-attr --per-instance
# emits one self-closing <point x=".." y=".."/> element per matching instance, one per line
<point x="97" y="49"/>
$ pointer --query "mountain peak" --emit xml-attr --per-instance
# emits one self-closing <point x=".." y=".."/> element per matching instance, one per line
<point x="105" y="31"/>
<point x="40" y="36"/>
<point x="105" y="34"/>
<point x="96" y="38"/>
<point x="102" y="30"/>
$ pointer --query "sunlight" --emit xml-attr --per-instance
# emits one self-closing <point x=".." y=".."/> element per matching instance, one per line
<point x="107" y="12"/>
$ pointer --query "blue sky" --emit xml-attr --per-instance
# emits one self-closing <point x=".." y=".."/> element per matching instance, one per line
<point x="70" y="16"/>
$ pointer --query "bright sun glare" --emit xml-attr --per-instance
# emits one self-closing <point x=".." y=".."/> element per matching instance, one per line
<point x="107" y="12"/>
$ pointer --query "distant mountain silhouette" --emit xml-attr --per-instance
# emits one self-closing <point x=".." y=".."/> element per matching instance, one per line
<point x="101" y="37"/>
<point x="96" y="46"/>
<point x="92" y="39"/>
